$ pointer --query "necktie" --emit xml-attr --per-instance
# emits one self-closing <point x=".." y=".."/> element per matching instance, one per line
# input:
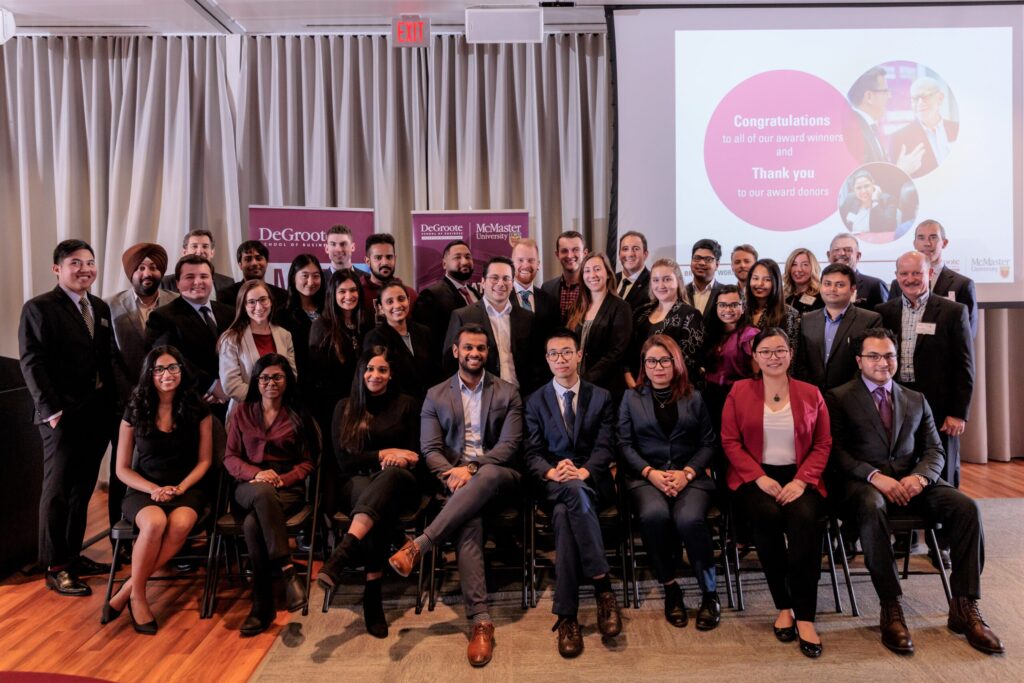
<point x="210" y="322"/>
<point x="525" y="296"/>
<point x="464" y="291"/>
<point x="90" y="324"/>
<point x="884" y="409"/>
<point x="568" y="414"/>
<point x="624" y="287"/>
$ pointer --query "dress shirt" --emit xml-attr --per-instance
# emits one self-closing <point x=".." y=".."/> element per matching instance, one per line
<point x="938" y="140"/>
<point x="934" y="275"/>
<point x="471" y="405"/>
<point x="627" y="282"/>
<point x="888" y="396"/>
<point x="779" y="439"/>
<point x="501" y="323"/>
<point x="831" y="327"/>
<point x="463" y="286"/>
<point x="560" y="394"/>
<point x="701" y="296"/>
<point x="911" y="317"/>
<point x="532" y="292"/>
<point x="145" y="309"/>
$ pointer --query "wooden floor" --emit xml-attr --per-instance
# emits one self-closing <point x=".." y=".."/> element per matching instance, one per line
<point x="42" y="632"/>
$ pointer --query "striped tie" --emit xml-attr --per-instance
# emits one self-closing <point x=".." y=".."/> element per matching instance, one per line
<point x="90" y="324"/>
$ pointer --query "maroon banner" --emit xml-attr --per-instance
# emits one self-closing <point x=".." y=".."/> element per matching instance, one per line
<point x="288" y="231"/>
<point x="488" y="233"/>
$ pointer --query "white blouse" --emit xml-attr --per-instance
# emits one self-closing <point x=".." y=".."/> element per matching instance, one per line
<point x="779" y="444"/>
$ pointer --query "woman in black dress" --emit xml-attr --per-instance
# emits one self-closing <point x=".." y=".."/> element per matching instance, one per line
<point x="802" y="281"/>
<point x="416" y="367"/>
<point x="168" y="430"/>
<point x="305" y="304"/>
<point x="604" y="322"/>
<point x="765" y="300"/>
<point x="376" y="437"/>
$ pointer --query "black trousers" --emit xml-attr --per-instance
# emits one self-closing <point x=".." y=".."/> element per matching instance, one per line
<point x="384" y="496"/>
<point x="266" y="509"/>
<point x="792" y="569"/>
<point x="72" y="453"/>
<point x="579" y="545"/>
<point x="866" y="507"/>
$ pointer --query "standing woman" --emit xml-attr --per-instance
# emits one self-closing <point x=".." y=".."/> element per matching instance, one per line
<point x="270" y="452"/>
<point x="802" y="281"/>
<point x="305" y="303"/>
<point x="167" y="431"/>
<point x="728" y="350"/>
<point x="415" y="366"/>
<point x="667" y="442"/>
<point x="776" y="435"/>
<point x="376" y="436"/>
<point x="249" y="337"/>
<point x="668" y="314"/>
<point x="604" y="322"/>
<point x="765" y="301"/>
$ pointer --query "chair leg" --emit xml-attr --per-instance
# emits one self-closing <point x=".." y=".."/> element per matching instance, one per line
<point x="623" y="570"/>
<point x="215" y="572"/>
<point x="526" y="594"/>
<point x="906" y="558"/>
<point x="114" y="566"/>
<point x="827" y="538"/>
<point x="419" y="587"/>
<point x="631" y="545"/>
<point x="530" y="543"/>
<point x="723" y="543"/>
<point x="432" y="598"/>
<point x="328" y="595"/>
<point x="841" y="545"/>
<point x="740" y="606"/>
<point x="934" y="543"/>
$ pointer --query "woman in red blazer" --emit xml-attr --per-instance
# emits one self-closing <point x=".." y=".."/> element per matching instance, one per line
<point x="775" y="432"/>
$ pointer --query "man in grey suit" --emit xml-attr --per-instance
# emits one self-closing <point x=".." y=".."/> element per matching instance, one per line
<point x="471" y="429"/>
<point x="887" y="452"/>
<point x="825" y="357"/>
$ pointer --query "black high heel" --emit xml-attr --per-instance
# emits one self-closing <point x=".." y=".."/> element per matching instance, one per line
<point x="809" y="649"/>
<point x="109" y="614"/>
<point x="787" y="634"/>
<point x="147" y="629"/>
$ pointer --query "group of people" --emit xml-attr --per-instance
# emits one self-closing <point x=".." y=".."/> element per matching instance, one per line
<point x="771" y="396"/>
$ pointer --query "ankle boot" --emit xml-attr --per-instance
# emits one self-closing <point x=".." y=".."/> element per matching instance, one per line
<point x="373" y="610"/>
<point x="294" y="589"/>
<point x="344" y="555"/>
<point x="261" y="616"/>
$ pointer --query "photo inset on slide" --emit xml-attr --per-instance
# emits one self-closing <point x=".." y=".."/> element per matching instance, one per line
<point x="907" y="115"/>
<point x="878" y="202"/>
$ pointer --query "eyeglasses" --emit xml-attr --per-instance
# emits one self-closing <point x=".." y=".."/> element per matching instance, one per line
<point x="173" y="368"/>
<point x="730" y="305"/>
<point x="499" y="278"/>
<point x="267" y="379"/>
<point x="262" y="301"/>
<point x="651" y="363"/>
<point x="565" y="354"/>
<point x="703" y="259"/>
<point x="772" y="353"/>
<point x="875" y="357"/>
<point x="923" y="96"/>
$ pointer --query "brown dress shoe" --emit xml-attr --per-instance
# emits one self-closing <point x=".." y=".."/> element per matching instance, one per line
<point x="405" y="560"/>
<point x="570" y="638"/>
<point x="481" y="645"/>
<point x="895" y="634"/>
<point x="609" y="619"/>
<point x="965" y="618"/>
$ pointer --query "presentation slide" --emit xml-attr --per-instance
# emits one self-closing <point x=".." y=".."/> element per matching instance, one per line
<point x="791" y="126"/>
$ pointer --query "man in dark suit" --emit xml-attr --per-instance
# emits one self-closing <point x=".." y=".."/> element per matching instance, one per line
<point x="845" y="248"/>
<point x="569" y="447"/>
<point x="252" y="257"/>
<point x="825" y="353"/>
<point x="526" y="261"/>
<point x="635" y="278"/>
<point x="887" y="452"/>
<point x="471" y="428"/>
<point x="382" y="259"/>
<point x="565" y="288"/>
<point x="435" y="303"/>
<point x="512" y="350"/>
<point x="929" y="133"/>
<point x="67" y="358"/>
<point x="702" y="291"/>
<point x="199" y="242"/>
<point x="930" y="240"/>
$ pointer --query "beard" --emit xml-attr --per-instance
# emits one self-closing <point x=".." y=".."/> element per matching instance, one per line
<point x="459" y="275"/>
<point x="147" y="287"/>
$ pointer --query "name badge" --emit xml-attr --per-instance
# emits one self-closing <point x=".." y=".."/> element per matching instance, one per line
<point x="951" y="296"/>
<point x="925" y="328"/>
<point x="104" y="322"/>
<point x="807" y="300"/>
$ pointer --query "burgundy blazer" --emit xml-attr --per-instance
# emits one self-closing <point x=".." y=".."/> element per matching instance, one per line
<point x="743" y="432"/>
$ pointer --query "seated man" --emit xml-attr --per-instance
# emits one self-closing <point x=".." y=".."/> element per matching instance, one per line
<point x="472" y="452"/>
<point x="570" y="429"/>
<point x="889" y="457"/>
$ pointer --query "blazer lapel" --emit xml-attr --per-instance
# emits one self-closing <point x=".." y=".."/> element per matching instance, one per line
<point x="249" y="345"/>
<point x="943" y="283"/>
<point x="71" y="309"/>
<point x="551" y="399"/>
<point x="841" y="332"/>
<point x="867" y="406"/>
<point x="485" y="406"/>
<point x="899" y="411"/>
<point x="458" y="417"/>
<point x="581" y="403"/>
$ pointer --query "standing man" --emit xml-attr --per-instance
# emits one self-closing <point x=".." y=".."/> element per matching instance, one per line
<point x="382" y="261"/>
<point x="252" y="257"/>
<point x="526" y="261"/>
<point x="702" y="291"/>
<point x="471" y="429"/>
<point x="67" y="356"/>
<point x="339" y="248"/>
<point x="930" y="240"/>
<point x="826" y="357"/>
<point x="634" y="278"/>
<point x="845" y="248"/>
<point x="435" y="303"/>
<point x="886" y="449"/>
<point x="743" y="258"/>
<point x="565" y="288"/>
<point x="199" y="242"/>
<point x="570" y="426"/>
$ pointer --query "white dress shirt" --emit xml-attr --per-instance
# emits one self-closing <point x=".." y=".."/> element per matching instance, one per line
<point x="501" y="323"/>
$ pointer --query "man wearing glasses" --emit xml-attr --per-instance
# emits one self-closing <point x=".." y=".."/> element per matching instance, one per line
<point x="702" y="291"/>
<point x="869" y="96"/>
<point x="929" y="132"/>
<point x="886" y="449"/>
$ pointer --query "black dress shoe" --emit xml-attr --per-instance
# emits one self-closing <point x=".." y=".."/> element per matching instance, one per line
<point x="108" y="614"/>
<point x="65" y="582"/>
<point x="787" y="634"/>
<point x="941" y="558"/>
<point x="709" y="616"/>
<point x="373" y="610"/>
<point x="255" y="624"/>
<point x="147" y="629"/>
<point x="294" y="590"/>
<point x="570" y="638"/>
<point x="83" y="566"/>
<point x="675" y="608"/>
<point x="809" y="649"/>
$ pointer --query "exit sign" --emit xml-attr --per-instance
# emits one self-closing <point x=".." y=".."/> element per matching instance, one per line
<point x="410" y="31"/>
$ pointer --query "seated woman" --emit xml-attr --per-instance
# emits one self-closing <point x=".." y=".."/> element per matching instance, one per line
<point x="376" y="436"/>
<point x="802" y="281"/>
<point x="167" y="431"/>
<point x="270" y="454"/>
<point x="604" y="322"/>
<point x="666" y="441"/>
<point x="667" y="313"/>
<point x="416" y="366"/>
<point x="250" y="336"/>
<point x="775" y="432"/>
<point x="765" y="302"/>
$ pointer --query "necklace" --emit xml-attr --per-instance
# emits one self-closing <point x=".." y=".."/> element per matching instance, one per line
<point x="776" y="398"/>
<point x="662" y="396"/>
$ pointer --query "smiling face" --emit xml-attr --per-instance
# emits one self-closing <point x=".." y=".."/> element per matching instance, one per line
<point x="471" y="351"/>
<point x="729" y="309"/>
<point x="800" y="270"/>
<point x="632" y="254"/>
<point x="595" y="275"/>
<point x="272" y="382"/>
<point x="773" y="357"/>
<point x="146" y="278"/>
<point x="526" y="261"/>
<point x="395" y="304"/>
<point x="929" y="241"/>
<point x="571" y="253"/>
<point x="664" y="284"/>
<point x="195" y="283"/>
<point x="307" y="279"/>
<point x="880" y="366"/>
<point x="347" y="295"/>
<point x="258" y="305"/>
<point x="836" y="290"/>
<point x="761" y="283"/>
<point x="166" y="374"/>
<point x="563" y="359"/>
<point x="76" y="271"/>
<point x="742" y="262"/>
<point x="498" y="285"/>
<point x="377" y="375"/>
<point x="253" y="265"/>
<point x="844" y="250"/>
<point x="339" y="249"/>
<point x="864" y="189"/>
<point x="199" y="245"/>
<point x="926" y="99"/>
<point x="381" y="259"/>
<point x="703" y="265"/>
<point x="912" y="273"/>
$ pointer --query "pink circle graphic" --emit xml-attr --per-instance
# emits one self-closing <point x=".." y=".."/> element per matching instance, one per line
<point x="775" y="150"/>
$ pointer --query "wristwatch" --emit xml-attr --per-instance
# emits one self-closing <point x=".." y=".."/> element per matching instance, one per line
<point x="472" y="467"/>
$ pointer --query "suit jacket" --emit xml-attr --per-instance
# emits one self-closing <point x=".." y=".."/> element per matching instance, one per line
<point x="871" y="148"/>
<point x="913" y="134"/>
<point x="59" y="360"/>
<point x="414" y="371"/>
<point x="870" y="291"/>
<point x="219" y="282"/>
<point x="712" y="305"/>
<point x="743" y="432"/>
<point x="237" y="359"/>
<point x="640" y="293"/>
<point x="860" y="444"/>
<point x="433" y="308"/>
<point x="591" y="445"/>
<point x="604" y="353"/>
<point x="443" y="424"/>
<point x="944" y="361"/>
<point x="951" y="282"/>
<point x="546" y="315"/>
<point x="841" y="366"/>
<point x="642" y="441"/>
<point x="130" y="336"/>
<point x="882" y="217"/>
<point x="526" y="355"/>
<point x="181" y="326"/>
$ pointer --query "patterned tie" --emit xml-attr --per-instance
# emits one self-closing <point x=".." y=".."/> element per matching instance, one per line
<point x="90" y="324"/>
<point x="210" y="321"/>
<point x="525" y="296"/>
<point x="884" y="409"/>
<point x="464" y="291"/>
<point x="568" y="414"/>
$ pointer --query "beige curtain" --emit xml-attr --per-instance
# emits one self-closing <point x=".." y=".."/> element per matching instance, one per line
<point x="116" y="141"/>
<point x="996" y="428"/>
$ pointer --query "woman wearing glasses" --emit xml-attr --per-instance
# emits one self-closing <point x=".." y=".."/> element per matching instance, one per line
<point x="604" y="322"/>
<point x="270" y="451"/>
<point x="666" y="442"/>
<point x="728" y="350"/>
<point x="250" y="336"/>
<point x="163" y="452"/>
<point x="775" y="432"/>
<point x="416" y="367"/>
